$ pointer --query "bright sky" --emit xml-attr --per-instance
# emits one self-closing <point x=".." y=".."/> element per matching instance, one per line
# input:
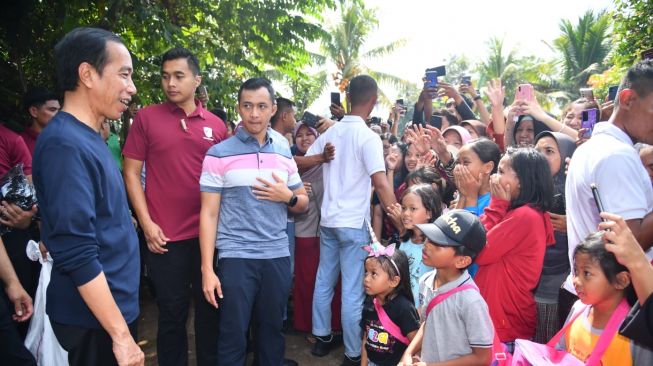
<point x="435" y="30"/>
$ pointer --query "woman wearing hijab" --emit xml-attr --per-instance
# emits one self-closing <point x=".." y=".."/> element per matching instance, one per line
<point x="307" y="240"/>
<point x="556" y="147"/>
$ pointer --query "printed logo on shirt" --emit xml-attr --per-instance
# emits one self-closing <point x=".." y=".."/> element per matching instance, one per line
<point x="377" y="337"/>
<point x="208" y="133"/>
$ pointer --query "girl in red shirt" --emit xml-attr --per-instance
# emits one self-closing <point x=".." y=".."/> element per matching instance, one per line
<point x="518" y="231"/>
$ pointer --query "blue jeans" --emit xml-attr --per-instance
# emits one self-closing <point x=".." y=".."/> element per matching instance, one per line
<point x="341" y="252"/>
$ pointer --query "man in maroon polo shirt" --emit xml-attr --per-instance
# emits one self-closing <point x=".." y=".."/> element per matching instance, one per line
<point x="41" y="105"/>
<point x="171" y="140"/>
<point x="13" y="151"/>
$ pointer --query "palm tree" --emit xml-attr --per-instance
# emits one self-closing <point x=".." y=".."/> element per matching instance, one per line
<point x="583" y="48"/>
<point x="344" y="47"/>
<point x="514" y="70"/>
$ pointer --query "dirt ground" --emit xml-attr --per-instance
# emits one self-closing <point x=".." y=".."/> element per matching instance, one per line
<point x="297" y="347"/>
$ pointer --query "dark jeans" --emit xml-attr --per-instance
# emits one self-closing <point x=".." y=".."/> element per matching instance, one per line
<point x="176" y="275"/>
<point x="87" y="346"/>
<point x="12" y="349"/>
<point x="261" y="287"/>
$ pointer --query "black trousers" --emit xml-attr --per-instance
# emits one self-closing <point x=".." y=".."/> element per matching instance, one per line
<point x="12" y="349"/>
<point x="176" y="276"/>
<point x="26" y="270"/>
<point x="86" y="346"/>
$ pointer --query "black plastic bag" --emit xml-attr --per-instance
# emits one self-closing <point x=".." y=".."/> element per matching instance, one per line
<point x="16" y="189"/>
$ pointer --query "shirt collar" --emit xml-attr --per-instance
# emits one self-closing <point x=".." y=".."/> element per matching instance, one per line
<point x="352" y="118"/>
<point x="464" y="277"/>
<point x="244" y="136"/>
<point x="610" y="129"/>
<point x="198" y="112"/>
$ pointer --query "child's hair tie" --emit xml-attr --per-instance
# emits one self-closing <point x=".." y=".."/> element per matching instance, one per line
<point x="377" y="250"/>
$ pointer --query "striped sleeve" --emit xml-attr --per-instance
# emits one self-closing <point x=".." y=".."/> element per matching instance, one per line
<point x="212" y="178"/>
<point x="294" y="181"/>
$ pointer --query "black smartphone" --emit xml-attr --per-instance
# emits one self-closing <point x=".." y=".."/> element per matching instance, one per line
<point x="400" y="102"/>
<point x="310" y="119"/>
<point x="647" y="54"/>
<point x="436" y="121"/>
<point x="558" y="206"/>
<point x="375" y="120"/>
<point x="335" y="98"/>
<point x="440" y="70"/>
<point x="466" y="80"/>
<point x="597" y="197"/>
<point x="612" y="92"/>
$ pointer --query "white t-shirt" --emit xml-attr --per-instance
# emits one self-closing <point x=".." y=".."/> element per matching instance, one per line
<point x="609" y="160"/>
<point x="347" y="183"/>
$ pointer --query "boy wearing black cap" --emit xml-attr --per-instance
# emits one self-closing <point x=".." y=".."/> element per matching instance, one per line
<point x="456" y="321"/>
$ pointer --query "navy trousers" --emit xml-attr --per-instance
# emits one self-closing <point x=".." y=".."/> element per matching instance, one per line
<point x="253" y="286"/>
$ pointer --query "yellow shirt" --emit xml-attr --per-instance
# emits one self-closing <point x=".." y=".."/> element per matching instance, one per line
<point x="581" y="339"/>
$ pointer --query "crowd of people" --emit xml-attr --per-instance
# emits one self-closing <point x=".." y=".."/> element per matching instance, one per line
<point x="460" y="241"/>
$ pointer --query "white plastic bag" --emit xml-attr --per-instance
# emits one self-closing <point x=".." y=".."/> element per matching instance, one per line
<point x="41" y="340"/>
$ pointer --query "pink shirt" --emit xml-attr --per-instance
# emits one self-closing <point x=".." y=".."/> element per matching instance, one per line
<point x="13" y="151"/>
<point x="173" y="152"/>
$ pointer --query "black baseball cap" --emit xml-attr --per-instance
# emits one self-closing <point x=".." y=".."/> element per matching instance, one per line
<point x="456" y="228"/>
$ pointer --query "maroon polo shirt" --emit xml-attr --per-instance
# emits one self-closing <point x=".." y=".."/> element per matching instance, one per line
<point x="13" y="151"/>
<point x="173" y="152"/>
<point x="29" y="136"/>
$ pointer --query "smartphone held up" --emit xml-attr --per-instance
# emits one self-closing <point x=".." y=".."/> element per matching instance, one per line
<point x="589" y="118"/>
<point x="310" y="119"/>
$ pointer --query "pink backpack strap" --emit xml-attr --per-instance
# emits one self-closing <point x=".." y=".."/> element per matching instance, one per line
<point x="606" y="337"/>
<point x="608" y="334"/>
<point x="441" y="297"/>
<point x="553" y="342"/>
<point x="388" y="324"/>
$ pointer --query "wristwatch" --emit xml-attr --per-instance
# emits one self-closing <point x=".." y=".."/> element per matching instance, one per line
<point x="293" y="201"/>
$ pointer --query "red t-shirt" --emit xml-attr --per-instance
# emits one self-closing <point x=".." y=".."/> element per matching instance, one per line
<point x="13" y="151"/>
<point x="173" y="153"/>
<point x="29" y="136"/>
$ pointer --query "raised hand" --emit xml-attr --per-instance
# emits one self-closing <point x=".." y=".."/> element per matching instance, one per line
<point x="496" y="93"/>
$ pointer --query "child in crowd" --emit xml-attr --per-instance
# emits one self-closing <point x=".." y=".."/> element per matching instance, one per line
<point x="477" y="160"/>
<point x="420" y="204"/>
<point x="456" y="136"/>
<point x="389" y="319"/>
<point x="604" y="284"/>
<point x="518" y="231"/>
<point x="456" y="323"/>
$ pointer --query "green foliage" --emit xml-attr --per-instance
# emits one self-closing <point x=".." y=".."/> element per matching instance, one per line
<point x="633" y="30"/>
<point x="345" y="43"/>
<point x="514" y="69"/>
<point x="457" y="67"/>
<point x="233" y="39"/>
<point x="583" y="48"/>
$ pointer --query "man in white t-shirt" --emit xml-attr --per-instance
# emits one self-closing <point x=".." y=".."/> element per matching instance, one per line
<point x="344" y="215"/>
<point x="610" y="160"/>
